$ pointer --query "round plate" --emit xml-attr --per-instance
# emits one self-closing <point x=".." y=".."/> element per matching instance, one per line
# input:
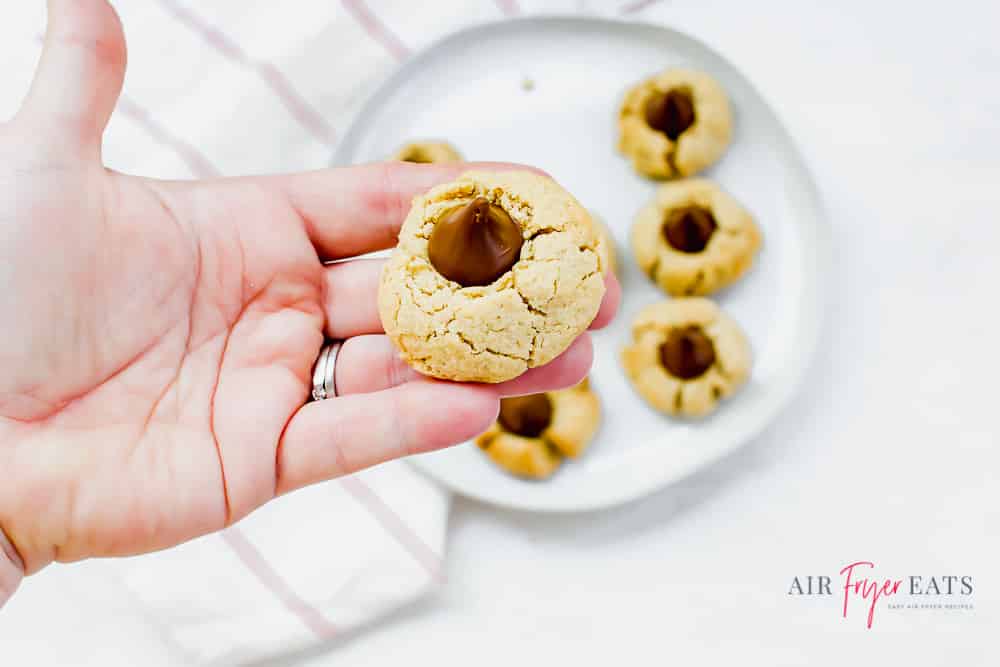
<point x="545" y="91"/>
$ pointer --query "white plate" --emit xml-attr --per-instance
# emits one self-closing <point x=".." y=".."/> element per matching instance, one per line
<point x="469" y="90"/>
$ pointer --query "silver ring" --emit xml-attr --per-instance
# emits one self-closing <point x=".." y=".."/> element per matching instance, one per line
<point x="324" y="372"/>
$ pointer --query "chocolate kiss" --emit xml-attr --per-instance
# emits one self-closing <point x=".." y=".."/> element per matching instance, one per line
<point x="689" y="229"/>
<point x="687" y="353"/>
<point x="526" y="416"/>
<point x="671" y="113"/>
<point x="475" y="244"/>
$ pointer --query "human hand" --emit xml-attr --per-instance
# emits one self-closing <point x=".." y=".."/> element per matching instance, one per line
<point x="158" y="337"/>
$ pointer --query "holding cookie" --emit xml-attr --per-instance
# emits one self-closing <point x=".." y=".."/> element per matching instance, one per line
<point x="494" y="273"/>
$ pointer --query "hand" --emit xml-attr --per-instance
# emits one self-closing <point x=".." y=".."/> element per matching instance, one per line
<point x="158" y="337"/>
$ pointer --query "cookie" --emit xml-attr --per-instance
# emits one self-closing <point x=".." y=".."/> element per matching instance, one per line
<point x="609" y="254"/>
<point x="426" y="152"/>
<point x="535" y="433"/>
<point x="693" y="238"/>
<point x="686" y="356"/>
<point x="674" y="124"/>
<point x="494" y="273"/>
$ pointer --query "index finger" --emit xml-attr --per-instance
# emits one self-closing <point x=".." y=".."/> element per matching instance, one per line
<point x="350" y="211"/>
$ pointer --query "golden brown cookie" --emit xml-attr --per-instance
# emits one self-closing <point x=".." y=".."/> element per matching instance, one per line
<point x="686" y="355"/>
<point x="693" y="238"/>
<point x="534" y="433"/>
<point x="426" y="152"/>
<point x="674" y="124"/>
<point x="494" y="273"/>
<point x="609" y="254"/>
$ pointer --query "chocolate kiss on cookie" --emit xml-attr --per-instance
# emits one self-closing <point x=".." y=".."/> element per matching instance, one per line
<point x="671" y="113"/>
<point x="526" y="416"/>
<point x="689" y="229"/>
<point x="687" y="353"/>
<point x="475" y="244"/>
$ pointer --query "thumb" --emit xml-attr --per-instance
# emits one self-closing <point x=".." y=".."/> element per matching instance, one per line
<point x="80" y="74"/>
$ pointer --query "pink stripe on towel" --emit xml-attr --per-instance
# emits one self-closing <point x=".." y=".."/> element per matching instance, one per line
<point x="509" y="7"/>
<point x="395" y="526"/>
<point x="297" y="106"/>
<point x="258" y="566"/>
<point x="376" y="29"/>
<point x="637" y="6"/>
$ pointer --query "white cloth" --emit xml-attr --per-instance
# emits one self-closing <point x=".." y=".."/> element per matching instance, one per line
<point x="302" y="571"/>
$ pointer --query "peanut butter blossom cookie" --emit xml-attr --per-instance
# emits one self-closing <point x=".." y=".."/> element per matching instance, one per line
<point x="686" y="356"/>
<point x="494" y="273"/>
<point x="609" y="253"/>
<point x="674" y="124"/>
<point x="427" y="152"/>
<point x="693" y="238"/>
<point x="535" y="433"/>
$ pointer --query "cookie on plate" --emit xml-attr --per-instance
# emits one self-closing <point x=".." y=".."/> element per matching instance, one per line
<point x="686" y="356"/>
<point x="427" y="152"/>
<point x="693" y="238"/>
<point x="494" y="273"/>
<point x="674" y="124"/>
<point x="534" y="433"/>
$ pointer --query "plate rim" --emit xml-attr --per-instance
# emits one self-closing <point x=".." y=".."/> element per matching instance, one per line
<point x="812" y="320"/>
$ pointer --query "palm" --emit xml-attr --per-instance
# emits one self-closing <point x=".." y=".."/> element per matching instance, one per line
<point x="199" y="308"/>
<point x="158" y="337"/>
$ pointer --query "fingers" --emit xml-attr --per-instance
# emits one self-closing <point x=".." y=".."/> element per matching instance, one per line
<point x="353" y="210"/>
<point x="80" y="74"/>
<point x="352" y="308"/>
<point x="350" y="299"/>
<point x="340" y="436"/>
<point x="371" y="363"/>
<point x="566" y="370"/>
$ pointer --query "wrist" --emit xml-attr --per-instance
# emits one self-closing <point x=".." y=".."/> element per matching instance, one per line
<point x="11" y="569"/>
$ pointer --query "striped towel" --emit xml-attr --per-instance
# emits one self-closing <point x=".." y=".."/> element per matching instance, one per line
<point x="254" y="86"/>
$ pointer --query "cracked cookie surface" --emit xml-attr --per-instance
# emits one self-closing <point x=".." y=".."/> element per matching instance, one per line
<point x="550" y="427"/>
<point x="427" y="152"/>
<point x="674" y="124"/>
<point x="686" y="356"/>
<point x="608" y="249"/>
<point x="522" y="319"/>
<point x="693" y="238"/>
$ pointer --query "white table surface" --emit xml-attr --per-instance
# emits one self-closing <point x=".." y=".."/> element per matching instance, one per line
<point x="891" y="453"/>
